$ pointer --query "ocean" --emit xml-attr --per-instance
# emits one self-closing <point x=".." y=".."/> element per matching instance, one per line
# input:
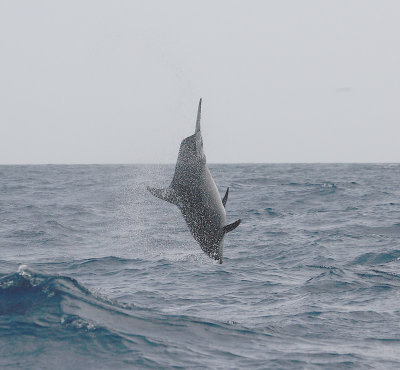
<point x="96" y="273"/>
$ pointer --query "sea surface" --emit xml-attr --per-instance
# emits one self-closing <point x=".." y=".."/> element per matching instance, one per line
<point x="96" y="273"/>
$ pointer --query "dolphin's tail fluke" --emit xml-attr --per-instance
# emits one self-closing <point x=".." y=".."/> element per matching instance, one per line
<point x="198" y="117"/>
<point x="232" y="226"/>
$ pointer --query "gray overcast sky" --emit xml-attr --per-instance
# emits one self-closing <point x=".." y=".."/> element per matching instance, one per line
<point x="119" y="81"/>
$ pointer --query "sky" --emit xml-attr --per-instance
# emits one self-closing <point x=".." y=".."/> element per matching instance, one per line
<point x="119" y="81"/>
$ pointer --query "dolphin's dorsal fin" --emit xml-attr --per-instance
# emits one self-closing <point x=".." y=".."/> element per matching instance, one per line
<point x="225" y="198"/>
<point x="232" y="226"/>
<point x="198" y="117"/>
<point x="167" y="194"/>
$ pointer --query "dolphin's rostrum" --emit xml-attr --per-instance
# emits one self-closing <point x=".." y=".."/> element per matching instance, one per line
<point x="194" y="191"/>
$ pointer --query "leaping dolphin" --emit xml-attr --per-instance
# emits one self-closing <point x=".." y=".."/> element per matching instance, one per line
<point x="194" y="191"/>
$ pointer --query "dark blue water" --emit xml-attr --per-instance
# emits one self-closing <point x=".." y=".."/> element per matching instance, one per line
<point x="97" y="273"/>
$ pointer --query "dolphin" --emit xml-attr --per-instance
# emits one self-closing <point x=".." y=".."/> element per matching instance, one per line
<point x="194" y="191"/>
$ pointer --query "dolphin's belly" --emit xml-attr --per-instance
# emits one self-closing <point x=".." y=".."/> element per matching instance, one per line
<point x="204" y="220"/>
<point x="204" y="212"/>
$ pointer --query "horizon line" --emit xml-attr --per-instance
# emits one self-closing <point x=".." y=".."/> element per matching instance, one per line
<point x="173" y="163"/>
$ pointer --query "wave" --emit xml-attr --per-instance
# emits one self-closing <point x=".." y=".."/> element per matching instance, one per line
<point x="60" y="309"/>
<point x="26" y="292"/>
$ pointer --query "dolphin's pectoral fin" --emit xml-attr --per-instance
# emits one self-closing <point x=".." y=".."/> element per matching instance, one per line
<point x="225" y="198"/>
<point x="232" y="226"/>
<point x="166" y="194"/>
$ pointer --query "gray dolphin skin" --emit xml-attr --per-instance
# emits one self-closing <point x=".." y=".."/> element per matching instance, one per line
<point x="194" y="191"/>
